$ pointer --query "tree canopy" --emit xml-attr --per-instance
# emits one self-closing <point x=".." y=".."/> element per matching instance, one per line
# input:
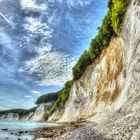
<point x="50" y="97"/>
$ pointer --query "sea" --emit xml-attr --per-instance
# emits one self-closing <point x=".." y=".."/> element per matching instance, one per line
<point x="9" y="128"/>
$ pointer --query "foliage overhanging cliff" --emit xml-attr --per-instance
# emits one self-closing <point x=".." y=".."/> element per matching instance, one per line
<point x="110" y="27"/>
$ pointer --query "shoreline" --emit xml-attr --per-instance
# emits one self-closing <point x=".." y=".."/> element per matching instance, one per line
<point x="49" y="132"/>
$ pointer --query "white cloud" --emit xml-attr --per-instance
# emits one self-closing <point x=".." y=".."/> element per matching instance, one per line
<point x="26" y="96"/>
<point x="35" y="92"/>
<point x="52" y="67"/>
<point x="32" y="5"/>
<point x="35" y="26"/>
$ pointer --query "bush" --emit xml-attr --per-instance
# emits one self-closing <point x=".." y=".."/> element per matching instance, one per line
<point x="63" y="97"/>
<point x="81" y="65"/>
<point x="118" y="9"/>
<point x="50" y="97"/>
<point x="64" y="94"/>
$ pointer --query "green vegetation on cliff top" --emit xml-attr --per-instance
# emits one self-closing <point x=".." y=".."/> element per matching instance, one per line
<point x="110" y="27"/>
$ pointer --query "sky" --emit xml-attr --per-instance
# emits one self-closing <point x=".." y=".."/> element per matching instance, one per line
<point x="40" y="42"/>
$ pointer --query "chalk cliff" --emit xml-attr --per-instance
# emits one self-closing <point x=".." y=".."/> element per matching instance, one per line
<point x="108" y="92"/>
<point x="33" y="115"/>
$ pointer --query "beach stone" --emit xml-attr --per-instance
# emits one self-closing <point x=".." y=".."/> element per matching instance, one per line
<point x="5" y="129"/>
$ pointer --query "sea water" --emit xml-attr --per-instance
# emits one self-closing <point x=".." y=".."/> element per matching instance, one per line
<point x="8" y="127"/>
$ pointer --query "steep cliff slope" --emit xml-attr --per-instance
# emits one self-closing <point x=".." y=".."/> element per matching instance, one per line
<point x="39" y="114"/>
<point x="109" y="90"/>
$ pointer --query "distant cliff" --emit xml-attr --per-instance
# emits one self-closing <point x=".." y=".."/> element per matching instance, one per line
<point x="34" y="114"/>
<point x="38" y="113"/>
<point x="108" y="92"/>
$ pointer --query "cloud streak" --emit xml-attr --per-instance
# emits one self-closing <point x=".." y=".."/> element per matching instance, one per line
<point x="53" y="67"/>
<point x="35" y="26"/>
<point x="5" y="18"/>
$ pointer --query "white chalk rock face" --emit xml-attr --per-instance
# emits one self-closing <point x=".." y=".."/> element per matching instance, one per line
<point x="15" y="116"/>
<point x="10" y="116"/>
<point x="40" y="112"/>
<point x="37" y="115"/>
<point x="109" y="90"/>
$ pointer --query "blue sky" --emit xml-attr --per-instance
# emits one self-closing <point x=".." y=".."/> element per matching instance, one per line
<point x="40" y="41"/>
